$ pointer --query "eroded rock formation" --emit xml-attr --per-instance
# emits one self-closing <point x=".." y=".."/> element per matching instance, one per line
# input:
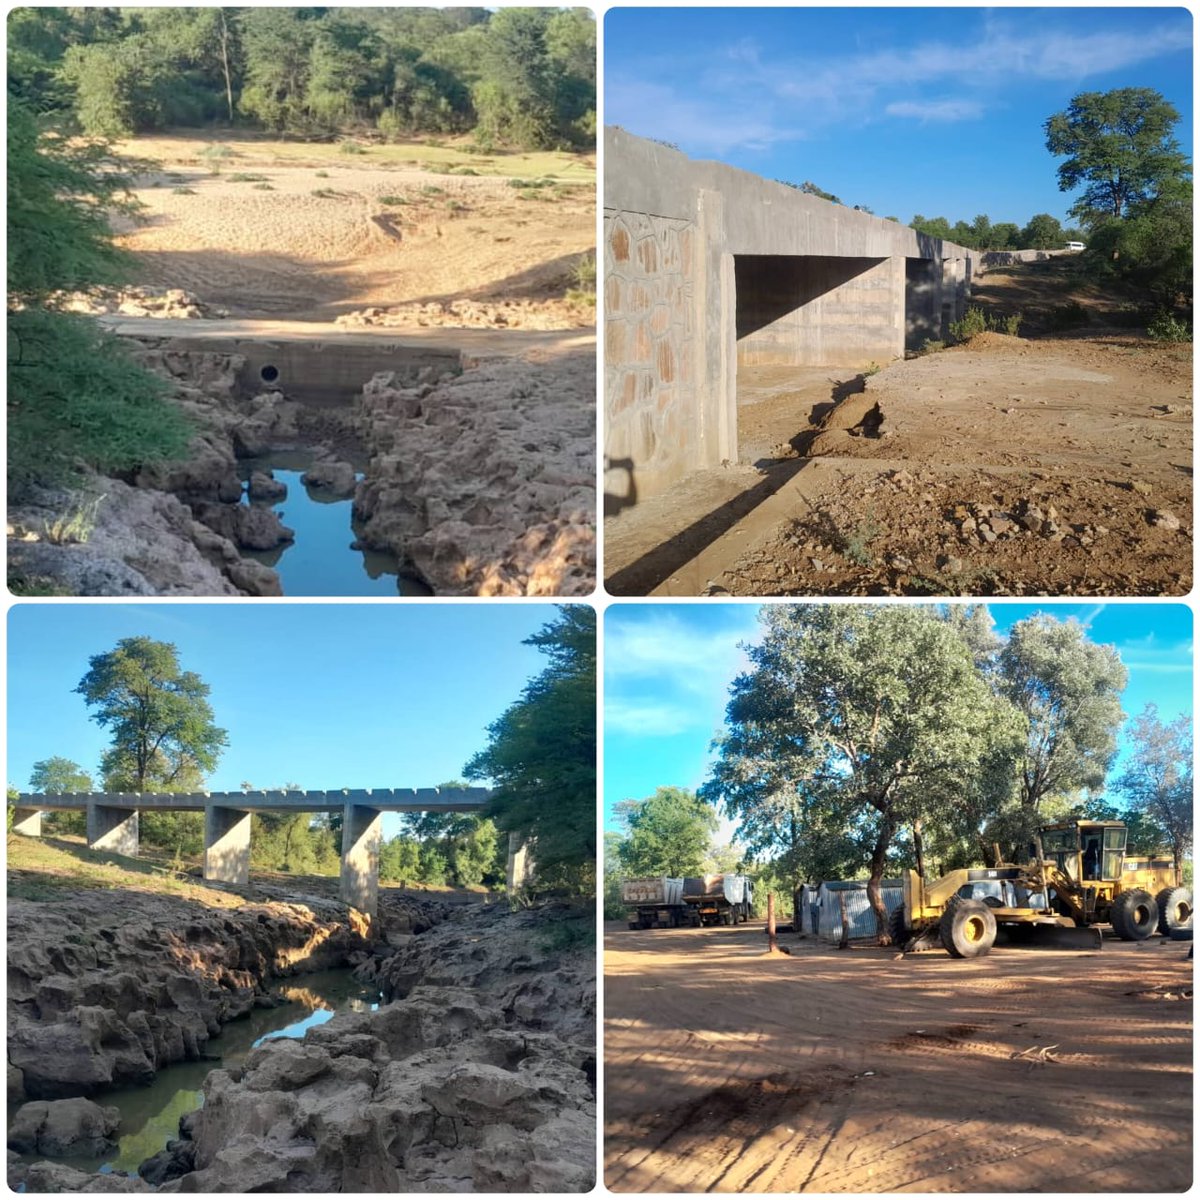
<point x="485" y="481"/>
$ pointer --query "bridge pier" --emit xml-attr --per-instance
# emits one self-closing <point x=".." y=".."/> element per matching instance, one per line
<point x="362" y="833"/>
<point x="520" y="863"/>
<point x="27" y="822"/>
<point x="110" y="828"/>
<point x="227" y="845"/>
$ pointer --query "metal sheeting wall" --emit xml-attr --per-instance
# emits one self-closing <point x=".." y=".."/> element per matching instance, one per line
<point x="859" y="914"/>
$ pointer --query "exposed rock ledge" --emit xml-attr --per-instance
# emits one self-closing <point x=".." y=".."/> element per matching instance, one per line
<point x="101" y="994"/>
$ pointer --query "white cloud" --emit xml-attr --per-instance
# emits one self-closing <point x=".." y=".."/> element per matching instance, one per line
<point x="936" y="110"/>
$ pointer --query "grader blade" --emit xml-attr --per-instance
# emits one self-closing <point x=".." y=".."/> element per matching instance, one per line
<point x="1052" y="937"/>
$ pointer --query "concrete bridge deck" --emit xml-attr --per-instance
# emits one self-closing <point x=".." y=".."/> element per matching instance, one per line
<point x="112" y="824"/>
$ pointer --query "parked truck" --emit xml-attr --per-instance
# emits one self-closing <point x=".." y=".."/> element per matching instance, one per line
<point x="717" y="899"/>
<point x="657" y="901"/>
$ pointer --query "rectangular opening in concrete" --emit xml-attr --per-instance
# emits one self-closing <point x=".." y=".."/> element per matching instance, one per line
<point x="807" y="310"/>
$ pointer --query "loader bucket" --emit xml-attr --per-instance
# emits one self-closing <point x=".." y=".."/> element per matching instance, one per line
<point x="1036" y="936"/>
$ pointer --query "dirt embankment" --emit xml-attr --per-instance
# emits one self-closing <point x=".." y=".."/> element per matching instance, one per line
<point x="727" y="1069"/>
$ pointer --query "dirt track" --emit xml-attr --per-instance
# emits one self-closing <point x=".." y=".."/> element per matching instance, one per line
<point x="859" y="1071"/>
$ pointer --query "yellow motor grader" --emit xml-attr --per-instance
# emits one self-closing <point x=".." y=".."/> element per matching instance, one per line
<point x="1079" y="878"/>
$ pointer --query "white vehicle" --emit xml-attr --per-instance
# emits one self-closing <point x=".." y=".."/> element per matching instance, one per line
<point x="1076" y="246"/>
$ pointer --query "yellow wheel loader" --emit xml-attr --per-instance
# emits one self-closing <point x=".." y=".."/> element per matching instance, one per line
<point x="1079" y="878"/>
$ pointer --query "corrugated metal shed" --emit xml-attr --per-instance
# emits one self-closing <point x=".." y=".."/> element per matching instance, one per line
<point x="859" y="915"/>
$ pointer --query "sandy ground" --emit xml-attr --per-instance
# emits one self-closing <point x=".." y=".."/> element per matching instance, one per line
<point x="727" y="1069"/>
<point x="325" y="236"/>
<point x="853" y="485"/>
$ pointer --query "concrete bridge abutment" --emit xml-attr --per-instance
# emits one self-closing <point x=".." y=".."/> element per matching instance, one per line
<point x="707" y="269"/>
<point x="362" y="835"/>
<point x="27" y="822"/>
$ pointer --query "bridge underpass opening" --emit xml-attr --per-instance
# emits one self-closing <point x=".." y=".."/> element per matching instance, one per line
<point x="802" y="319"/>
<point x="923" y="318"/>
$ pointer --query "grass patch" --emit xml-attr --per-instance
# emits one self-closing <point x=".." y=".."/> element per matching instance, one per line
<point x="393" y="201"/>
<point x="35" y="585"/>
<point x="976" y="321"/>
<point x="349" y="147"/>
<point x="1166" y="327"/>
<point x="42" y="869"/>
<point x="183" y="191"/>
<point x="326" y="193"/>
<point x="247" y="177"/>
<point x="263" y="187"/>
<point x="322" y="174"/>
<point x="430" y="190"/>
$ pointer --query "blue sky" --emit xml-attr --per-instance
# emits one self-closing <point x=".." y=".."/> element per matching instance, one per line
<point x="668" y="669"/>
<point x="934" y="111"/>
<point x="327" y="696"/>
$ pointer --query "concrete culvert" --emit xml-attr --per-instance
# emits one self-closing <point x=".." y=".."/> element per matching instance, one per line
<point x="269" y="373"/>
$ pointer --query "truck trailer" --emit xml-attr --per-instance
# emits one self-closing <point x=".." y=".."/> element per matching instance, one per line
<point x="656" y="901"/>
<point x="717" y="899"/>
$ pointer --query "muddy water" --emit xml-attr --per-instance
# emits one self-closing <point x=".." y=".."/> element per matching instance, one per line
<point x="320" y="562"/>
<point x="150" y="1115"/>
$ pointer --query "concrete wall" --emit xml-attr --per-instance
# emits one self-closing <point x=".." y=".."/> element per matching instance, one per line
<point x="750" y="273"/>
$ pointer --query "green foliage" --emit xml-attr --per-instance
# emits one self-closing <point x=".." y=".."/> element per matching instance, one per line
<point x="1167" y="328"/>
<point x="1067" y="316"/>
<point x="163" y="735"/>
<point x="1068" y="690"/>
<point x="853" y="722"/>
<point x="59" y="776"/>
<point x="541" y="755"/>
<point x="1044" y="232"/>
<point x="976" y="321"/>
<point x="463" y="845"/>
<point x="669" y="833"/>
<point x="1119" y="146"/>
<point x="314" y="71"/>
<point x="393" y="201"/>
<point x="400" y="861"/>
<point x="183" y="191"/>
<point x="247" y="177"/>
<point x="1158" y="779"/>
<point x="74" y="393"/>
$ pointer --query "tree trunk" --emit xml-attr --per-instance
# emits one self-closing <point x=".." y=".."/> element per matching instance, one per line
<point x="225" y="64"/>
<point x="919" y="847"/>
<point x="874" y="889"/>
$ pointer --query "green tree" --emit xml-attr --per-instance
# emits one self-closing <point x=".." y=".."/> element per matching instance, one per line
<point x="934" y="227"/>
<point x="669" y="833"/>
<point x="1043" y="232"/>
<point x="1119" y="146"/>
<point x="74" y="393"/>
<point x="59" y="776"/>
<point x="158" y="714"/>
<point x="1158" y="780"/>
<point x="878" y="709"/>
<point x="1068" y="690"/>
<point x="541" y="755"/>
<point x="400" y="860"/>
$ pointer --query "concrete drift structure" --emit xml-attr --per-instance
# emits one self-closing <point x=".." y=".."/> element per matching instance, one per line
<point x="708" y="268"/>
<point x="112" y="824"/>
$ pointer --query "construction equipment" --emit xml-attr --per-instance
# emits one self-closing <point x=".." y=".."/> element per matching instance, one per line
<point x="1079" y="878"/>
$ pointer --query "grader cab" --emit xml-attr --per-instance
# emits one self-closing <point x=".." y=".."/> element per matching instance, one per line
<point x="1079" y="877"/>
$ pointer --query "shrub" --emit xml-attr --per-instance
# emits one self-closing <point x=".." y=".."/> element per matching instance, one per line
<point x="1166" y="327"/>
<point x="322" y="174"/>
<point x="325" y="193"/>
<point x="975" y="321"/>
<point x="349" y="147"/>
<point x="393" y="201"/>
<point x="246" y="177"/>
<point x="183" y="191"/>
<point x="1067" y="316"/>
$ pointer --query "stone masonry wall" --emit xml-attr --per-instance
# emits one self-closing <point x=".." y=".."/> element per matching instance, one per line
<point x="650" y="348"/>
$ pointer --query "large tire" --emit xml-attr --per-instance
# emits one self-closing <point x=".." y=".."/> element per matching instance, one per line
<point x="898" y="929"/>
<point x="1174" y="910"/>
<point x="967" y="928"/>
<point x="1134" y="915"/>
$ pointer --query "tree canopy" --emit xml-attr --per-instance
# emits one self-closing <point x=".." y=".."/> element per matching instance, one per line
<point x="163" y="734"/>
<point x="522" y="76"/>
<point x="1158" y="780"/>
<point x="1119" y="146"/>
<point x="59" y="776"/>
<point x="669" y="833"/>
<point x="541" y="755"/>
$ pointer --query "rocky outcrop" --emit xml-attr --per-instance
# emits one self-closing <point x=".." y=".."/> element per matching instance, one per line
<point x="485" y="482"/>
<point x="101" y="995"/>
<point x="264" y="486"/>
<point x="480" y="1078"/>
<point x="58" y="1127"/>
<point x="333" y="478"/>
<point x="249" y="526"/>
<point x="173" y="303"/>
<point x="56" y="1177"/>
<point x="131" y="542"/>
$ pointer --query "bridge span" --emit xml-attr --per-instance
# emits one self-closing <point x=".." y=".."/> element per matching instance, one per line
<point x="112" y="824"/>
